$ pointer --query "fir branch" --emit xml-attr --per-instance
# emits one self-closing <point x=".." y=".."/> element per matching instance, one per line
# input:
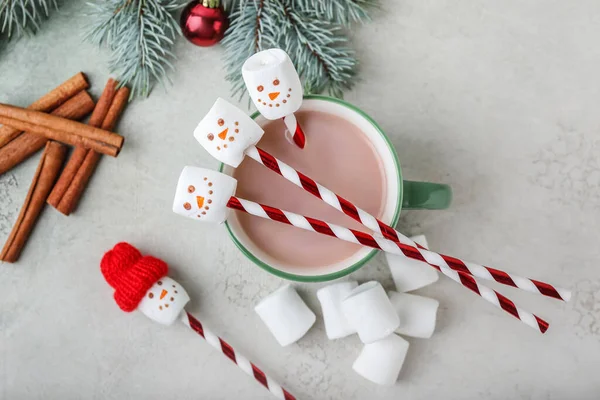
<point x="317" y="46"/>
<point x="140" y="35"/>
<point x="319" y="51"/>
<point x="20" y="17"/>
<point x="342" y="12"/>
<point x="3" y="43"/>
<point x="243" y="38"/>
<point x="229" y="5"/>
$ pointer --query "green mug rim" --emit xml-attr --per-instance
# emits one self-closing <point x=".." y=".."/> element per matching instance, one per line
<point x="371" y="254"/>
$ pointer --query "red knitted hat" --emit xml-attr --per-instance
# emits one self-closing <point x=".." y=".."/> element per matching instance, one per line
<point x="131" y="274"/>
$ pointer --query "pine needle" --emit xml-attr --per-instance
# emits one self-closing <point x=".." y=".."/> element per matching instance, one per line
<point x="140" y="35"/>
<point x="310" y="31"/>
<point x="22" y="17"/>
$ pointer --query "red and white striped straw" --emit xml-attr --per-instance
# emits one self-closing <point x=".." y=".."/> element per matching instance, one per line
<point x="381" y="228"/>
<point x="241" y="361"/>
<point x="381" y="243"/>
<point x="295" y="130"/>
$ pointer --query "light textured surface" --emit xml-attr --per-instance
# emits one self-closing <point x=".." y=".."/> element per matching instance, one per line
<point x="499" y="99"/>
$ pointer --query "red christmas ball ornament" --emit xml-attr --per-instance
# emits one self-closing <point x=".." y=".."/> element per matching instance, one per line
<point x="204" y="22"/>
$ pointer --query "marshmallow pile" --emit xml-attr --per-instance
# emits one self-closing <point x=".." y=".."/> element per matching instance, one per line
<point x="367" y="310"/>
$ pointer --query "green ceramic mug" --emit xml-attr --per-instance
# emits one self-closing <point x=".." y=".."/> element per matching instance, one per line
<point x="401" y="194"/>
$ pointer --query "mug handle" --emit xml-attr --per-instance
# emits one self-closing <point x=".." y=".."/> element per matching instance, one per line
<point x="425" y="196"/>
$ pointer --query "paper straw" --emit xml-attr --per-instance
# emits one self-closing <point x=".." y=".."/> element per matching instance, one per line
<point x="365" y="239"/>
<point x="245" y="365"/>
<point x="294" y="128"/>
<point x="381" y="228"/>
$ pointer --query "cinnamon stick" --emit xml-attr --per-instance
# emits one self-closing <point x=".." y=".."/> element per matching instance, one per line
<point x="25" y="145"/>
<point x="78" y="155"/>
<point x="116" y="108"/>
<point x="43" y="180"/>
<point x="61" y="129"/>
<point x="71" y="197"/>
<point x="48" y="102"/>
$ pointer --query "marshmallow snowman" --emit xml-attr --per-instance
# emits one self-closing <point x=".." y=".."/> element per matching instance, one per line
<point x="164" y="301"/>
<point x="202" y="194"/>
<point x="273" y="83"/>
<point x="226" y="132"/>
<point x="141" y="283"/>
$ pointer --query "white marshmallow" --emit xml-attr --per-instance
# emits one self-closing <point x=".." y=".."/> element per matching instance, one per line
<point x="420" y="239"/>
<point x="330" y="297"/>
<point x="202" y="194"/>
<point x="409" y="274"/>
<point x="381" y="361"/>
<point x="286" y="315"/>
<point x="273" y="83"/>
<point x="226" y="132"/>
<point x="417" y="314"/>
<point x="164" y="301"/>
<point x="370" y="312"/>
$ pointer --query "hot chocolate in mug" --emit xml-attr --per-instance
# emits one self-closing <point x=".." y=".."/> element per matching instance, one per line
<point x="347" y="152"/>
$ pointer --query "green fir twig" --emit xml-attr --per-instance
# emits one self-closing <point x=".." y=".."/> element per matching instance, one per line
<point x="140" y="35"/>
<point x="341" y="12"/>
<point x="21" y="17"/>
<point x="243" y="39"/>
<point x="311" y="32"/>
<point x="320" y="52"/>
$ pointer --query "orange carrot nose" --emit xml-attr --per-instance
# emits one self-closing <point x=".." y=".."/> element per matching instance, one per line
<point x="163" y="294"/>
<point x="223" y="134"/>
<point x="200" y="201"/>
<point x="273" y="95"/>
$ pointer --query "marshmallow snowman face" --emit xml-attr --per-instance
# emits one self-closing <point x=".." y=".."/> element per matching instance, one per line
<point x="164" y="301"/>
<point x="226" y="132"/>
<point x="202" y="194"/>
<point x="273" y="83"/>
